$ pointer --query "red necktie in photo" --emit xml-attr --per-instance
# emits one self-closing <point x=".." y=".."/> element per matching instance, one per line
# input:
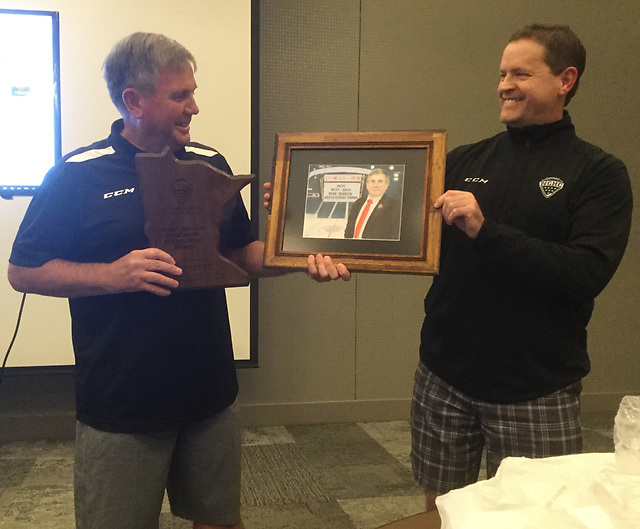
<point x="363" y="215"/>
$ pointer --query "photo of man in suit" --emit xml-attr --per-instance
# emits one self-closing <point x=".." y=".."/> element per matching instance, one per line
<point x="375" y="215"/>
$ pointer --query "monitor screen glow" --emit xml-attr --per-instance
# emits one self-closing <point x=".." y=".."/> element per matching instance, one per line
<point x="29" y="99"/>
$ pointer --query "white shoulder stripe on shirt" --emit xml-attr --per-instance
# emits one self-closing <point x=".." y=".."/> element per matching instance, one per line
<point x="91" y="154"/>
<point x="97" y="153"/>
<point x="203" y="152"/>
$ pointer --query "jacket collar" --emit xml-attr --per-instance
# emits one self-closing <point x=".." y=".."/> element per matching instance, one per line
<point x="534" y="134"/>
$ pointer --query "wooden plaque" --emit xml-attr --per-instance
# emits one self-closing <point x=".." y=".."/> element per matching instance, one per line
<point x="183" y="204"/>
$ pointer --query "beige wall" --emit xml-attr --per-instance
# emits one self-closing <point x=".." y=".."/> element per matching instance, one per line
<point x="348" y="351"/>
<point x="345" y="351"/>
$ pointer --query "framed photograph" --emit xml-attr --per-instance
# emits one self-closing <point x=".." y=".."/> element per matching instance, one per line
<point x="364" y="198"/>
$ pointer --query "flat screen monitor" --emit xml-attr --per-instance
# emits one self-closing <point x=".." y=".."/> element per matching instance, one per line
<point x="30" y="136"/>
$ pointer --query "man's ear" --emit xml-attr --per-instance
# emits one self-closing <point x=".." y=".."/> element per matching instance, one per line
<point x="132" y="100"/>
<point x="568" y="77"/>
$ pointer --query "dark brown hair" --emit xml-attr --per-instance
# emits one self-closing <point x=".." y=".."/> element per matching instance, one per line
<point x="562" y="48"/>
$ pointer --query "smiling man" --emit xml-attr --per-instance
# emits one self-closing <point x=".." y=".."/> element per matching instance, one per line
<point x="155" y="373"/>
<point x="531" y="91"/>
<point x="536" y="223"/>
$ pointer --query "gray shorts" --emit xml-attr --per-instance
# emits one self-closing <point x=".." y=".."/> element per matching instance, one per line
<point x="120" y="479"/>
<point x="450" y="431"/>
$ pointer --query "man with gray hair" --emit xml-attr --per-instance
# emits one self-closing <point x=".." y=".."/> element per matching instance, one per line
<point x="155" y="373"/>
<point x="375" y="215"/>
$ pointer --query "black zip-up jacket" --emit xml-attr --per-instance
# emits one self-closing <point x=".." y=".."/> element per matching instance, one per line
<point x="506" y="318"/>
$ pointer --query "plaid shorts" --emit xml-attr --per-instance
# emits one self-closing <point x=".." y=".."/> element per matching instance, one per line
<point x="450" y="431"/>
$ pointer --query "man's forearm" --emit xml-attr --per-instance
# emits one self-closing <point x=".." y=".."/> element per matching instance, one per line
<point x="150" y="270"/>
<point x="61" y="279"/>
<point x="319" y="268"/>
<point x="251" y="259"/>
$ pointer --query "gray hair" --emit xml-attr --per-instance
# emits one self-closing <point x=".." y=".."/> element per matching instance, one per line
<point x="136" y="60"/>
<point x="379" y="170"/>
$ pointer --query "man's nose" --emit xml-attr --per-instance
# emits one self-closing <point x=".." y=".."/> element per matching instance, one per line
<point x="192" y="108"/>
<point x="506" y="82"/>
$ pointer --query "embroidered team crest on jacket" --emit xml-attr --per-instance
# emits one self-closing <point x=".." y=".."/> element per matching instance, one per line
<point x="550" y="186"/>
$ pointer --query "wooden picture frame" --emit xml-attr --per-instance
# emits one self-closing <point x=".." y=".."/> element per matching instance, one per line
<point x="319" y="186"/>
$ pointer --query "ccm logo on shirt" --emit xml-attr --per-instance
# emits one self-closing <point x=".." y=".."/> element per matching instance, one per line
<point x="118" y="193"/>
<point x="476" y="180"/>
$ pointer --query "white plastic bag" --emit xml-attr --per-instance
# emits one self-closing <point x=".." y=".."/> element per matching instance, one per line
<point x="626" y="436"/>
<point x="619" y="495"/>
<point x="581" y="491"/>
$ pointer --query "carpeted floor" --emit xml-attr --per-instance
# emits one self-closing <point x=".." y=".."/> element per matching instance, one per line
<point x="330" y="476"/>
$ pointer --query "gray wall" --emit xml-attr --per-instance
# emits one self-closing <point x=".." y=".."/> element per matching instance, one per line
<point x="348" y="351"/>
